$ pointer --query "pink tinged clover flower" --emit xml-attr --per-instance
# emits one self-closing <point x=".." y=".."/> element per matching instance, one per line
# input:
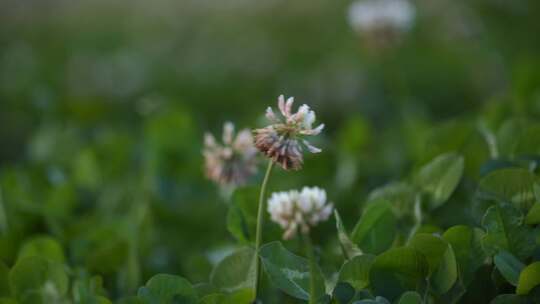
<point x="234" y="161"/>
<point x="299" y="211"/>
<point x="284" y="139"/>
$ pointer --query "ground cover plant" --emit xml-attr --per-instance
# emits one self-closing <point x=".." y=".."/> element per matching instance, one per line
<point x="152" y="153"/>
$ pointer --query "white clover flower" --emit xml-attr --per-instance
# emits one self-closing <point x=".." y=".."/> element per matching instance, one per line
<point x="381" y="22"/>
<point x="284" y="139"/>
<point x="312" y="203"/>
<point x="234" y="161"/>
<point x="294" y="210"/>
<point x="367" y="15"/>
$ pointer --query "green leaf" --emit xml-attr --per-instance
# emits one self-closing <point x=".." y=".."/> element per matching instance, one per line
<point x="356" y="271"/>
<point x="441" y="260"/>
<point x="38" y="280"/>
<point x="130" y="300"/>
<point x="216" y="298"/>
<point x="349" y="248"/>
<point x="343" y="293"/>
<point x="240" y="296"/>
<point x="515" y="185"/>
<point x="466" y="243"/>
<point x="533" y="216"/>
<point x="166" y="288"/>
<point x="204" y="289"/>
<point x="528" y="279"/>
<point x="43" y="246"/>
<point x="398" y="270"/>
<point x="410" y="297"/>
<point x="88" y="289"/>
<point x="289" y="272"/>
<point x="509" y="266"/>
<point x="101" y="300"/>
<point x="242" y="214"/>
<point x="377" y="300"/>
<point x="237" y="224"/>
<point x="236" y="271"/>
<point x="400" y="195"/>
<point x="509" y="299"/>
<point x="505" y="231"/>
<point x="453" y="295"/>
<point x="376" y="230"/>
<point x="440" y="177"/>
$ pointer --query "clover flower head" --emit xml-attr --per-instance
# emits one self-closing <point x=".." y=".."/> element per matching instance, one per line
<point x="367" y="15"/>
<point x="232" y="162"/>
<point x="299" y="210"/>
<point x="283" y="141"/>
<point x="381" y="21"/>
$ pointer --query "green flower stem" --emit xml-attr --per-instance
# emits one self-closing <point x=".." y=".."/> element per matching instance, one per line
<point x="260" y="223"/>
<point x="312" y="265"/>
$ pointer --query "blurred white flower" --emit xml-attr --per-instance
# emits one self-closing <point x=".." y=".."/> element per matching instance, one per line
<point x="284" y="139"/>
<point x="381" y="21"/>
<point x="234" y="161"/>
<point x="367" y="15"/>
<point x="294" y="210"/>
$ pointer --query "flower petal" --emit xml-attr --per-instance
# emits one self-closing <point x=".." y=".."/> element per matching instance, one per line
<point x="228" y="132"/>
<point x="281" y="105"/>
<point x="209" y="140"/>
<point x="311" y="148"/>
<point x="288" y="106"/>
<point x="271" y="116"/>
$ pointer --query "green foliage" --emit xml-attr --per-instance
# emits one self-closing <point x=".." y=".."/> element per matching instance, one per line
<point x="343" y="293"/>
<point x="242" y="214"/>
<point x="441" y="260"/>
<point x="466" y="243"/>
<point x="241" y="296"/>
<point x="43" y="246"/>
<point x="397" y="271"/>
<point x="289" y="272"/>
<point x="431" y="152"/>
<point x="509" y="266"/>
<point x="166" y="288"/>
<point x="533" y="216"/>
<point x="38" y="280"/>
<point x="87" y="289"/>
<point x="513" y="185"/>
<point x="440" y="177"/>
<point x="4" y="280"/>
<point x="356" y="271"/>
<point x="509" y="299"/>
<point x="528" y="278"/>
<point x="410" y="297"/>
<point x="235" y="272"/>
<point x="505" y="231"/>
<point x="350" y="249"/>
<point x="376" y="230"/>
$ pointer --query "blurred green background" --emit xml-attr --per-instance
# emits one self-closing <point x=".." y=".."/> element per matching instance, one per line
<point x="103" y="106"/>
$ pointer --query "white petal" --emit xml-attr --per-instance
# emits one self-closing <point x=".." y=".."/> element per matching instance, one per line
<point x="281" y="105"/>
<point x="309" y="119"/>
<point x="288" y="106"/>
<point x="318" y="129"/>
<point x="228" y="132"/>
<point x="326" y="212"/>
<point x="298" y="117"/>
<point x="243" y="141"/>
<point x="270" y="115"/>
<point x="209" y="140"/>
<point x="311" y="148"/>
